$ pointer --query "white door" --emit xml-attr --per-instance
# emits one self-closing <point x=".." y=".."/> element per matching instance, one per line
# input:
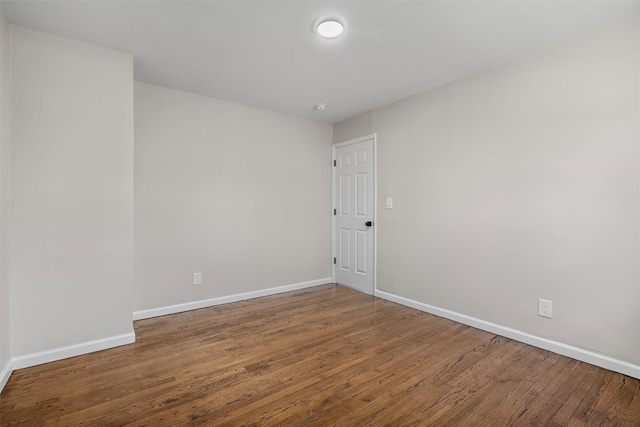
<point x="354" y="203"/>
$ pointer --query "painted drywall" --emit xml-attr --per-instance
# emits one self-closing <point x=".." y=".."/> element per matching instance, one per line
<point x="240" y="194"/>
<point x="72" y="192"/>
<point x="5" y="195"/>
<point x="355" y="127"/>
<point x="518" y="183"/>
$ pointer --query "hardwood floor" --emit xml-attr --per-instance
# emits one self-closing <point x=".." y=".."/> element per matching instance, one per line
<point x="322" y="356"/>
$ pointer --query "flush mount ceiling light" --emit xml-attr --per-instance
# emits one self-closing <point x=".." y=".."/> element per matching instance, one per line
<point x="321" y="107"/>
<point x="330" y="27"/>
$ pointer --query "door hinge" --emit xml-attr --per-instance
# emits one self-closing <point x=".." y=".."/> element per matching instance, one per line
<point x="334" y="163"/>
<point x="334" y="211"/>
<point x="334" y="260"/>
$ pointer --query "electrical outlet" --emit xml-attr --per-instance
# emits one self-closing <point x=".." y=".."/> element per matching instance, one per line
<point x="197" y="279"/>
<point x="545" y="308"/>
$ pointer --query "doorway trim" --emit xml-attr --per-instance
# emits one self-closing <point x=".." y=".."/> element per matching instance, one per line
<point x="336" y="145"/>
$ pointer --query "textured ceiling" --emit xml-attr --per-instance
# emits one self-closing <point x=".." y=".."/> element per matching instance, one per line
<point x="264" y="54"/>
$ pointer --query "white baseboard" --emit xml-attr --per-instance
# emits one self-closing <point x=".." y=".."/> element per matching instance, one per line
<point x="577" y="353"/>
<point x="178" y="308"/>
<point x="5" y="373"/>
<point x="47" y="356"/>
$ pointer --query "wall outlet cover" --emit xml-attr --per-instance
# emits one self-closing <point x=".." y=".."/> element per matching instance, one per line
<point x="545" y="308"/>
<point x="197" y="279"/>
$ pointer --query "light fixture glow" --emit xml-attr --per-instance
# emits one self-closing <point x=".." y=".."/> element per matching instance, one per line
<point x="330" y="27"/>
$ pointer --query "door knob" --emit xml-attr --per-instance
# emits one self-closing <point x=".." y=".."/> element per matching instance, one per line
<point x="368" y="223"/>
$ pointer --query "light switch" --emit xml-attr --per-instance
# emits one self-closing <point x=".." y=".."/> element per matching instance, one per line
<point x="389" y="203"/>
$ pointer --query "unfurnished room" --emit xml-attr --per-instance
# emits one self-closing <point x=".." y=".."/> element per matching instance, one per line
<point x="320" y="213"/>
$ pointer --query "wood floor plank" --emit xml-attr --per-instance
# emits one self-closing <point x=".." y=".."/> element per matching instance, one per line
<point x="317" y="357"/>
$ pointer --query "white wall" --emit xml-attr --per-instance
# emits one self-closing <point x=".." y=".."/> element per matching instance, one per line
<point x="5" y="196"/>
<point x="240" y="194"/>
<point x="72" y="189"/>
<point x="518" y="183"/>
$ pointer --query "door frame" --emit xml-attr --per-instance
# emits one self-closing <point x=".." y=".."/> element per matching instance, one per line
<point x="373" y="137"/>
